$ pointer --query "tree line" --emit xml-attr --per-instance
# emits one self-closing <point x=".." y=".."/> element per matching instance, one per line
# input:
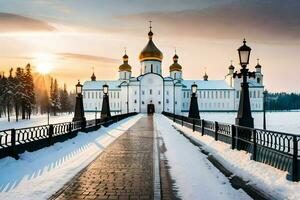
<point x="23" y="94"/>
<point x="282" y="101"/>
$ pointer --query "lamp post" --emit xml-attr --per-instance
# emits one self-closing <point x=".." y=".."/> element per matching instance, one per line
<point x="264" y="109"/>
<point x="244" y="117"/>
<point x="194" y="109"/>
<point x="105" y="111"/>
<point x="79" y="111"/>
<point x="174" y="101"/>
<point x="96" y="115"/>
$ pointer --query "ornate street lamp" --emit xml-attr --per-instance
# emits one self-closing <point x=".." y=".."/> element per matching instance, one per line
<point x="105" y="111"/>
<point x="264" y="109"/>
<point x="194" y="109"/>
<point x="79" y="111"/>
<point x="244" y="117"/>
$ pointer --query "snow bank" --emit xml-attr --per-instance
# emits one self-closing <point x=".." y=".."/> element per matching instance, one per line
<point x="268" y="178"/>
<point x="39" y="174"/>
<point x="195" y="177"/>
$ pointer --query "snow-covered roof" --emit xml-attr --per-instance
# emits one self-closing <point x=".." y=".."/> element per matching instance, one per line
<point x="94" y="85"/>
<point x="207" y="85"/>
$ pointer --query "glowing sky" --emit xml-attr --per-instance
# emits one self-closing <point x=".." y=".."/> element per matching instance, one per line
<point x="74" y="36"/>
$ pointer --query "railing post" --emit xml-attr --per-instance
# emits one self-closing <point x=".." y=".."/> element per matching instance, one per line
<point x="295" y="159"/>
<point x="216" y="131"/>
<point x="254" y="145"/>
<point x="50" y="134"/>
<point x="13" y="144"/>
<point x="193" y="124"/>
<point x="233" y="133"/>
<point x="202" y="127"/>
<point x="69" y="129"/>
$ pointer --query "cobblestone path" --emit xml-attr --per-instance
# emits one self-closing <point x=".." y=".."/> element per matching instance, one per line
<point x="123" y="171"/>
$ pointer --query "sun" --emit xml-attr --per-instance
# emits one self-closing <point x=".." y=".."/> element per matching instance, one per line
<point x="43" y="68"/>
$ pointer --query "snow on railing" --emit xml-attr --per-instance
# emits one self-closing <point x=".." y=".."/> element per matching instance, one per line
<point x="274" y="148"/>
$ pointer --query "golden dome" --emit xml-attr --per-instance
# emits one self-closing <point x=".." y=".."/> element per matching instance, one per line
<point x="175" y="66"/>
<point x="151" y="52"/>
<point x="125" y="66"/>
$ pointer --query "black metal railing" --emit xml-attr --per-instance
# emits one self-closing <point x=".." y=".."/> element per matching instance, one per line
<point x="16" y="141"/>
<point x="277" y="149"/>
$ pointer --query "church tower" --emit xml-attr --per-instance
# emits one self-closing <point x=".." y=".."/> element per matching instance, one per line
<point x="151" y="57"/>
<point x="176" y="69"/>
<point x="125" y="69"/>
<point x="258" y="74"/>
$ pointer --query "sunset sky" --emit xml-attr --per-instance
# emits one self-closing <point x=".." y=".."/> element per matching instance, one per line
<point x="72" y="37"/>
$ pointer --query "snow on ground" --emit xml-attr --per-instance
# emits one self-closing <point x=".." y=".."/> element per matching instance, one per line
<point x="266" y="177"/>
<point x="38" y="120"/>
<point x="39" y="174"/>
<point x="280" y="121"/>
<point x="195" y="177"/>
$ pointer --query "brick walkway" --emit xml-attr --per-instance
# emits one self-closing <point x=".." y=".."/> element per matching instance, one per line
<point x="123" y="171"/>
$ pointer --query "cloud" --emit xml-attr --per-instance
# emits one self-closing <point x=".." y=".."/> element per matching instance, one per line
<point x="260" y="20"/>
<point x="85" y="57"/>
<point x="17" y="23"/>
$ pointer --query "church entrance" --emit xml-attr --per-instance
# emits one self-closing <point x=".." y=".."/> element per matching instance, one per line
<point x="150" y="108"/>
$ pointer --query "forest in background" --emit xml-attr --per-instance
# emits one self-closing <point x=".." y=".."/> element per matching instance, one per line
<point x="23" y="93"/>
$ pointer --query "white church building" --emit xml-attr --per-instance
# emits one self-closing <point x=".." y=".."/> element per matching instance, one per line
<point x="134" y="94"/>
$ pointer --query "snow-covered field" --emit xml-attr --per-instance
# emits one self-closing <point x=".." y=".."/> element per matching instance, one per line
<point x="38" y="120"/>
<point x="288" y="122"/>
<point x="269" y="179"/>
<point x="195" y="177"/>
<point x="37" y="175"/>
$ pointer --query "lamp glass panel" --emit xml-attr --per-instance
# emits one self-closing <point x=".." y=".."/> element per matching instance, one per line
<point x="244" y="57"/>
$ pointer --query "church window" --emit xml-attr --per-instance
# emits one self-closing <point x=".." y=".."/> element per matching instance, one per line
<point x="216" y="94"/>
<point x="143" y="92"/>
<point x="258" y="94"/>
<point x="159" y="102"/>
<point x="114" y="104"/>
<point x="167" y="92"/>
<point x="221" y="95"/>
<point x="158" y="92"/>
<point x="135" y="92"/>
<point x="250" y="94"/>
<point x="150" y="91"/>
<point x="254" y="94"/>
<point x="204" y="94"/>
<point x="88" y="95"/>
<point x="225" y="95"/>
<point x="118" y="95"/>
<point x="176" y="102"/>
<point x="183" y="94"/>
<point x="143" y="102"/>
<point x="135" y="101"/>
<point x="167" y="100"/>
<point x="237" y="94"/>
<point x="188" y="94"/>
<point x="228" y="94"/>
<point x="208" y="94"/>
<point x="258" y="80"/>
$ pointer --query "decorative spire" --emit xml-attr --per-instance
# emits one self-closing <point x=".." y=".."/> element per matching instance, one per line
<point x="258" y="65"/>
<point x="150" y="34"/>
<point x="205" y="77"/>
<point x="125" y="57"/>
<point x="93" y="77"/>
<point x="175" y="57"/>
<point x="231" y="66"/>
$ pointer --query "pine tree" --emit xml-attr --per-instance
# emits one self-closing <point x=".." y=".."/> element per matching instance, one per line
<point x="54" y="97"/>
<point x="20" y="95"/>
<point x="8" y="93"/>
<point x="64" y="99"/>
<point x="29" y="89"/>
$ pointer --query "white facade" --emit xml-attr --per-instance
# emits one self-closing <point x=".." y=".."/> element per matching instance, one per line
<point x="133" y="94"/>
